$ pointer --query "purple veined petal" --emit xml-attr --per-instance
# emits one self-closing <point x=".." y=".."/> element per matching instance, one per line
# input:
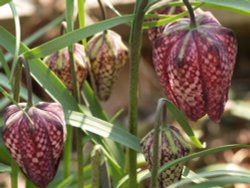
<point x="166" y="153"/>
<point x="107" y="54"/>
<point x="36" y="143"/>
<point x="199" y="65"/>
<point x="59" y="63"/>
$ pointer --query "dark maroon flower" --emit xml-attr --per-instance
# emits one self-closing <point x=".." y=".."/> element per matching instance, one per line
<point x="59" y="63"/>
<point x="172" y="146"/>
<point x="107" y="54"/>
<point x="195" y="65"/>
<point x="35" y="139"/>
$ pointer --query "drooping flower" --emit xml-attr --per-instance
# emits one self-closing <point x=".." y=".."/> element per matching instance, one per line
<point x="107" y="54"/>
<point x="59" y="63"/>
<point x="195" y="65"/>
<point x="35" y="138"/>
<point x="172" y="146"/>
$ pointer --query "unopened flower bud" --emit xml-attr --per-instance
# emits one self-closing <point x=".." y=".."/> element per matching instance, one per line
<point x="59" y="63"/>
<point x="171" y="146"/>
<point x="107" y="54"/>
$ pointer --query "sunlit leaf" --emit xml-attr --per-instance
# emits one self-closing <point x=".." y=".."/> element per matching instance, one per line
<point x="201" y="154"/>
<point x="104" y="129"/>
<point x="211" y="174"/>
<point x="40" y="72"/>
<point x="23" y="91"/>
<point x="226" y="180"/>
<point x="181" y="119"/>
<point x="4" y="168"/>
<point x="239" y="6"/>
<point x="74" y="36"/>
<point x="193" y="156"/>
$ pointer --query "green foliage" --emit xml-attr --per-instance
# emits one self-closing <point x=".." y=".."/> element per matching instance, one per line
<point x="3" y="2"/>
<point x="103" y="128"/>
<point x="4" y="168"/>
<point x="239" y="6"/>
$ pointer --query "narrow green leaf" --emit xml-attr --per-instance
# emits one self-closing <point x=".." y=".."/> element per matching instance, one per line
<point x="164" y="21"/>
<point x="93" y="103"/>
<point x="40" y="72"/>
<point x="189" y="174"/>
<point x="103" y="128"/>
<point x="4" y="64"/>
<point x="239" y="6"/>
<point x="23" y="91"/>
<point x="66" y="182"/>
<point x="4" y="155"/>
<point x="3" y="2"/>
<point x="227" y="180"/>
<point x="33" y="37"/>
<point x="195" y="155"/>
<point x="211" y="174"/>
<point x="39" y="33"/>
<point x="3" y="102"/>
<point x="74" y="36"/>
<point x="4" y="168"/>
<point x="110" y="5"/>
<point x="17" y="37"/>
<point x="201" y="154"/>
<point x="180" y="118"/>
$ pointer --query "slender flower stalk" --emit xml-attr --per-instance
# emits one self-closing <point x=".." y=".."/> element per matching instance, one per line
<point x="161" y="120"/>
<point x="76" y="92"/>
<point x="16" y="91"/>
<point x="81" y="18"/>
<point x="135" y="47"/>
<point x="191" y="14"/>
<point x="28" y="80"/>
<point x="103" y="10"/>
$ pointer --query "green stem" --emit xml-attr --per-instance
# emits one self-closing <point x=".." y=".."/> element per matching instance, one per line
<point x="76" y="92"/>
<point x="103" y="10"/>
<point x="67" y="153"/>
<point x="135" y="46"/>
<point x="191" y="14"/>
<point x="81" y="18"/>
<point x="160" y="121"/>
<point x="28" y="80"/>
<point x="14" y="174"/>
<point x="68" y="145"/>
<point x="79" y="148"/>
<point x="16" y="91"/>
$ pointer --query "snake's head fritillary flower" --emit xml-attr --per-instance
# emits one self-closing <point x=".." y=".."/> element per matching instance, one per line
<point x="35" y="138"/>
<point x="59" y="63"/>
<point x="195" y="65"/>
<point x="107" y="54"/>
<point x="172" y="146"/>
